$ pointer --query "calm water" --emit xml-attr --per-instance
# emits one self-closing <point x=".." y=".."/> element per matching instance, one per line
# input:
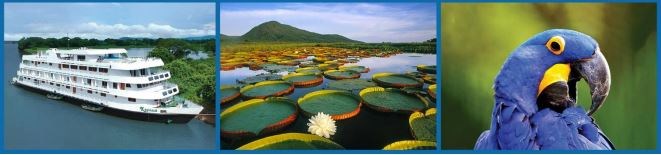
<point x="369" y="129"/>
<point x="31" y="121"/>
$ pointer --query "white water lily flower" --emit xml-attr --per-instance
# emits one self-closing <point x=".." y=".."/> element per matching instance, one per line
<point x="322" y="125"/>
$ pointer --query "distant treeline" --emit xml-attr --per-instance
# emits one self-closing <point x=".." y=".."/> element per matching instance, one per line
<point x="31" y="44"/>
<point x="424" y="47"/>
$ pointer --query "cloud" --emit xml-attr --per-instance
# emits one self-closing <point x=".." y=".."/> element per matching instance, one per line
<point x="103" y="31"/>
<point x="361" y="21"/>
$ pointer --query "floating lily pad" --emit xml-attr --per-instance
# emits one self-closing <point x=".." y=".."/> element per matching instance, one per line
<point x="266" y="89"/>
<point x="391" y="100"/>
<point x="350" y="84"/>
<point x="325" y="67"/>
<point x="314" y="70"/>
<point x="304" y="79"/>
<point x="411" y="145"/>
<point x="341" y="74"/>
<point x="429" y="69"/>
<point x="415" y="74"/>
<point x="360" y="69"/>
<point x="257" y="116"/>
<point x="337" y="103"/>
<point x="429" y="78"/>
<point x="273" y="68"/>
<point x="229" y="93"/>
<point x="432" y="91"/>
<point x="260" y="78"/>
<point x="292" y="141"/>
<point x="396" y="80"/>
<point x="423" y="125"/>
<point x="289" y="63"/>
<point x="305" y="65"/>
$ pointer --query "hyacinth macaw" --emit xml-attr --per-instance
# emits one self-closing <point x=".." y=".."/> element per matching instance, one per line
<point x="535" y="95"/>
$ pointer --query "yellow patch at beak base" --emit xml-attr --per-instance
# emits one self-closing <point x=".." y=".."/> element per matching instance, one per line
<point x="557" y="72"/>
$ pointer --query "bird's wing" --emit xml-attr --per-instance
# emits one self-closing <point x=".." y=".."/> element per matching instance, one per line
<point x="570" y="130"/>
<point x="484" y="142"/>
<point x="512" y="128"/>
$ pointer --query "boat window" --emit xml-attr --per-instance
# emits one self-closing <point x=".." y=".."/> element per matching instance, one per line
<point x="81" y="58"/>
<point x="50" y="64"/>
<point x="104" y="84"/>
<point x="175" y="89"/>
<point x="58" y="85"/>
<point x="83" y="68"/>
<point x="114" y="85"/>
<point x="151" y="78"/>
<point x="162" y="76"/>
<point x="169" y="91"/>
<point x="103" y="70"/>
<point x="67" y="87"/>
<point x="92" y="69"/>
<point x="143" y="71"/>
<point x="89" y="91"/>
<point x="128" y="85"/>
<point x="165" y="93"/>
<point x="65" y="66"/>
<point x="139" y="85"/>
<point x="131" y="99"/>
<point x="74" y="67"/>
<point x="103" y="94"/>
<point x="167" y="75"/>
<point x="89" y="81"/>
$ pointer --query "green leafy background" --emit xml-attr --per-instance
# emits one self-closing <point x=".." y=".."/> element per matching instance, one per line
<point x="477" y="38"/>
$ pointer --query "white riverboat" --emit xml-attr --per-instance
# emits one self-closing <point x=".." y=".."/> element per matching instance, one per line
<point x="127" y="86"/>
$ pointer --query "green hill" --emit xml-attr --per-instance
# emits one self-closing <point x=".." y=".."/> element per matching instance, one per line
<point x="273" y="31"/>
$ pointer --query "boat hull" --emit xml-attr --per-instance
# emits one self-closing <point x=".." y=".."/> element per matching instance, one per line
<point x="164" y="118"/>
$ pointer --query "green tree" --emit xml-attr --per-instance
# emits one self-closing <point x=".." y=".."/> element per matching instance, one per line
<point x="162" y="53"/>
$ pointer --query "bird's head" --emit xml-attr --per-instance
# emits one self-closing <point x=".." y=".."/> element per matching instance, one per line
<point x="556" y="60"/>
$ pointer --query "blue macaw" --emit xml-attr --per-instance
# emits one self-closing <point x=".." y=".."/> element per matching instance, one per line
<point x="535" y="95"/>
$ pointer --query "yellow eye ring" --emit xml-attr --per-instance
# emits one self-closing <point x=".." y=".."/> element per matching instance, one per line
<point x="556" y="45"/>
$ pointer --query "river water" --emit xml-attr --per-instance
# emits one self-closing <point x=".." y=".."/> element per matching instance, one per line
<point x="32" y="121"/>
<point x="368" y="130"/>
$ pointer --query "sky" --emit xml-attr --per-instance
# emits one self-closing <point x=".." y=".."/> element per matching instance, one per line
<point x="108" y="20"/>
<point x="367" y="22"/>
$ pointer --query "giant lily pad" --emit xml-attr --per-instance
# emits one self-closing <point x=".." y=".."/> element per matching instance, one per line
<point x="229" y="93"/>
<point x="266" y="89"/>
<point x="429" y="78"/>
<point x="423" y="125"/>
<point x="360" y="69"/>
<point x="273" y="68"/>
<point x="391" y="100"/>
<point x="341" y="74"/>
<point x="291" y="141"/>
<point x="304" y="79"/>
<point x="325" y="67"/>
<point x="257" y="116"/>
<point x="396" y="80"/>
<point x="350" y="84"/>
<point x="429" y="69"/>
<point x="432" y="91"/>
<point x="337" y="103"/>
<point x="260" y="78"/>
<point x="308" y="70"/>
<point x="411" y="145"/>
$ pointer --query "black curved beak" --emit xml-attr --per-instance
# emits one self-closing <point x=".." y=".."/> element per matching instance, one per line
<point x="597" y="74"/>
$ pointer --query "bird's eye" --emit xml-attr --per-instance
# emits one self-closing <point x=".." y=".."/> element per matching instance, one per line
<point x="556" y="45"/>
